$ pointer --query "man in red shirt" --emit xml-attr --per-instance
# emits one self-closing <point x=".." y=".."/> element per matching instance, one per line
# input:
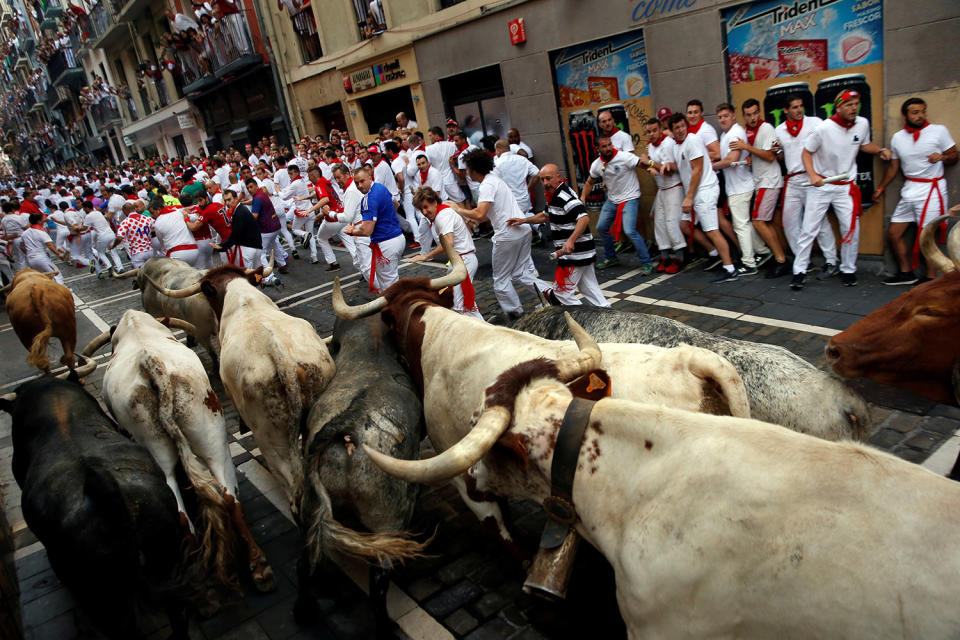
<point x="211" y="216"/>
<point x="325" y="210"/>
<point x="29" y="205"/>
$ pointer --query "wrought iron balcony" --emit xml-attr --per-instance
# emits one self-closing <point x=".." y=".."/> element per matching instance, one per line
<point x="105" y="112"/>
<point x="227" y="48"/>
<point x="64" y="68"/>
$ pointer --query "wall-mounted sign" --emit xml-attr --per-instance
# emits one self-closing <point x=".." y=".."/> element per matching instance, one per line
<point x="359" y="80"/>
<point x="518" y="31"/>
<point x="370" y="77"/>
<point x="128" y="141"/>
<point x="185" y="121"/>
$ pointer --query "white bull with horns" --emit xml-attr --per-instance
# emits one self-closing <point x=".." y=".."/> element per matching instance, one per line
<point x="157" y="389"/>
<point x="725" y="527"/>
<point x="454" y="358"/>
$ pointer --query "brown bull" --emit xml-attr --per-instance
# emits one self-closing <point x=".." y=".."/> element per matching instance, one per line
<point x="911" y="342"/>
<point x="41" y="309"/>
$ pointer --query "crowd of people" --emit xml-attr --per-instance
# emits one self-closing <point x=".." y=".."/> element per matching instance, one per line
<point x="408" y="188"/>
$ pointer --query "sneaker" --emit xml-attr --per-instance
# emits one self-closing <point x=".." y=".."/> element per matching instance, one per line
<point x="725" y="276"/>
<point x="333" y="266"/>
<point x="673" y="266"/>
<point x="413" y="245"/>
<point x="796" y="283"/>
<point x="848" y="279"/>
<point x="296" y="256"/>
<point x="747" y="271"/>
<point x="536" y="239"/>
<point x="763" y="258"/>
<point x="828" y="271"/>
<point x="102" y="275"/>
<point x="646" y="268"/>
<point x="93" y="268"/>
<point x="778" y="270"/>
<point x="624" y="246"/>
<point x="662" y="266"/>
<point x="314" y="261"/>
<point x="712" y="263"/>
<point x="306" y="239"/>
<point x="901" y="277"/>
<point x="607" y="262"/>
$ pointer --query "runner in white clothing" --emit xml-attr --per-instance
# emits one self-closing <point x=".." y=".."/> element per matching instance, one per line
<point x="102" y="238"/>
<point x="696" y="124"/>
<point x="920" y="150"/>
<point x="668" y="203"/>
<point x="439" y="152"/>
<point x="511" y="245"/>
<point x="358" y="246"/>
<point x="792" y="134"/>
<point x="446" y="222"/>
<point x="36" y="241"/>
<point x="831" y="150"/>
<point x="519" y="173"/>
<point x="426" y="176"/>
<point x="619" y="138"/>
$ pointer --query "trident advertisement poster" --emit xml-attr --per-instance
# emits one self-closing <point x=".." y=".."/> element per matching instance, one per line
<point x="813" y="49"/>
<point x="606" y="74"/>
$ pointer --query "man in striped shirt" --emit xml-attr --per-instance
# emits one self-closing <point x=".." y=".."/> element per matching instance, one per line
<point x="573" y="243"/>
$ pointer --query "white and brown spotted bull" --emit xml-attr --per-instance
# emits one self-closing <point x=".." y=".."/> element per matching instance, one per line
<point x="41" y="309"/>
<point x="453" y="358"/>
<point x="719" y="526"/>
<point x="274" y="366"/>
<point x="911" y="342"/>
<point x="175" y="274"/>
<point x="783" y="388"/>
<point x="158" y="391"/>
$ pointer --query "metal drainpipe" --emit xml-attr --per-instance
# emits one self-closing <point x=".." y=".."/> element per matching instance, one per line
<point x="277" y="85"/>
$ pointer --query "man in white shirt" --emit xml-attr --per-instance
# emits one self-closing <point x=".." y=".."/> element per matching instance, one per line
<point x="511" y="245"/>
<point x="708" y="135"/>
<point x="410" y="220"/>
<point x="439" y="152"/>
<point x="446" y="222"/>
<point x="298" y="192"/>
<point x="702" y="190"/>
<point x="426" y="176"/>
<point x="519" y="173"/>
<point x="35" y="245"/>
<point x="12" y="225"/>
<point x="830" y="151"/>
<point x="516" y="144"/>
<point x="792" y="134"/>
<point x="618" y="170"/>
<point x="620" y="139"/>
<point x="921" y="150"/>
<point x="405" y="124"/>
<point x="358" y="246"/>
<point x="383" y="173"/>
<point x="115" y="204"/>
<point x="172" y="232"/>
<point x="761" y="143"/>
<point x="103" y="237"/>
<point x="667" y="205"/>
<point x="738" y="183"/>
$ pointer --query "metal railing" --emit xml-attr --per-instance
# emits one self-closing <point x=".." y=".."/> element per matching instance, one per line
<point x="61" y="61"/>
<point x="226" y="42"/>
<point x="105" y="111"/>
<point x="101" y="19"/>
<point x="305" y="26"/>
<point x="369" y="23"/>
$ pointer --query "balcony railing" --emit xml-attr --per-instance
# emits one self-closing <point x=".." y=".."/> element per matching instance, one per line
<point x="105" y="112"/>
<point x="227" y="48"/>
<point x="100" y="20"/>
<point x="370" y="22"/>
<point x="305" y="26"/>
<point x="61" y="62"/>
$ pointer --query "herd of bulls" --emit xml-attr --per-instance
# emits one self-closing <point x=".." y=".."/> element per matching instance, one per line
<point x="723" y="480"/>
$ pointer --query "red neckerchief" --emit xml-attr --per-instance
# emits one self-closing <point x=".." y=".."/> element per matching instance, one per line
<point x="794" y="127"/>
<point x="37" y="226"/>
<point x="349" y="182"/>
<point x="752" y="133"/>
<point x="423" y="176"/>
<point x="915" y="132"/>
<point x="229" y="216"/>
<point x="659" y="140"/>
<point x="695" y="128"/>
<point x="548" y="193"/>
<point x="462" y="149"/>
<point x="422" y="147"/>
<point x="843" y="123"/>
<point x="297" y="178"/>
<point x="606" y="162"/>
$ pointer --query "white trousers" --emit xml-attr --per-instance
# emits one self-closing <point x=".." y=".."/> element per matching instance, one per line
<point x="386" y="271"/>
<point x="328" y="230"/>
<point x="585" y="279"/>
<point x="204" y="254"/>
<point x="102" y="252"/>
<point x="60" y="238"/>
<point x="138" y="259"/>
<point x="246" y="257"/>
<point x="271" y="242"/>
<point x="794" y="201"/>
<point x="190" y="256"/>
<point x="43" y="264"/>
<point x="819" y="199"/>
<point x="739" y="205"/>
<point x="302" y="226"/>
<point x="471" y="263"/>
<point x="511" y="260"/>
<point x="79" y="247"/>
<point x="667" y="209"/>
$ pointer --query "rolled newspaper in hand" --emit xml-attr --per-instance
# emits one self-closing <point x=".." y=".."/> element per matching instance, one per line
<point x="843" y="177"/>
<point x="738" y="163"/>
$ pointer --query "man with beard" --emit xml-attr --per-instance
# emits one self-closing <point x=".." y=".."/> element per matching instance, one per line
<point x="921" y="150"/>
<point x="608" y="128"/>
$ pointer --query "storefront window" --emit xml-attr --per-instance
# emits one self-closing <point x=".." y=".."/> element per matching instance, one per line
<point x="476" y="101"/>
<point x="381" y="108"/>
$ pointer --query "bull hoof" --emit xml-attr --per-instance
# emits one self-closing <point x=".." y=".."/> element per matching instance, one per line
<point x="263" y="579"/>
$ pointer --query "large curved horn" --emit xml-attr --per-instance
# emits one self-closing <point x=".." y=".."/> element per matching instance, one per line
<point x="81" y="371"/>
<point x="953" y="245"/>
<point x="452" y="462"/>
<point x="459" y="273"/>
<point x="6" y="289"/>
<point x="177" y="323"/>
<point x="129" y="273"/>
<point x="932" y="252"/>
<point x="52" y="274"/>
<point x="349" y="312"/>
<point x="192" y="290"/>
<point x="266" y="270"/>
<point x="587" y="360"/>
<point x="96" y="344"/>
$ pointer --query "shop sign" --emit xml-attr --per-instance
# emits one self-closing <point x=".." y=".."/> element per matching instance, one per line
<point x="370" y="77"/>
<point x="359" y="80"/>
<point x="127" y="141"/>
<point x="388" y="71"/>
<point x="185" y="121"/>
<point x="518" y="31"/>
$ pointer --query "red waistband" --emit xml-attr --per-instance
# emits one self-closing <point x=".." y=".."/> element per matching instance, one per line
<point x="795" y="173"/>
<point x="934" y="180"/>
<point x="467" y="253"/>
<point x="181" y="247"/>
<point x="679" y="184"/>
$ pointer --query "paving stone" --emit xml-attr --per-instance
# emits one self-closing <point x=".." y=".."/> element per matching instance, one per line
<point x="460" y="622"/>
<point x="924" y="441"/>
<point x="878" y="415"/>
<point x="946" y="411"/>
<point x="529" y="634"/>
<point x="423" y="588"/>
<point x="448" y="601"/>
<point x="61" y="627"/>
<point x="886" y="438"/>
<point x="38" y="585"/>
<point x="495" y="629"/>
<point x="942" y="425"/>
<point x="489" y="605"/>
<point x="515" y="615"/>
<point x="47" y="607"/>
<point x="902" y="422"/>
<point x="249" y="630"/>
<point x="917" y="456"/>
<point x="459" y="568"/>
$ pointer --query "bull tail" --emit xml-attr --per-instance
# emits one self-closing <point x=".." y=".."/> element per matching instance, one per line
<point x="38" y="348"/>
<point x="325" y="536"/>
<point x="724" y="392"/>
<point x="217" y="539"/>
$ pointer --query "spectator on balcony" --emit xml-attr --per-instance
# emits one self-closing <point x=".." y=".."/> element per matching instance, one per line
<point x="181" y="22"/>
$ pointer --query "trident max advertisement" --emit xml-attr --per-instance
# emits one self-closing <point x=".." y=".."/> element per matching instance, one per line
<point x="606" y="74"/>
<point x="813" y="49"/>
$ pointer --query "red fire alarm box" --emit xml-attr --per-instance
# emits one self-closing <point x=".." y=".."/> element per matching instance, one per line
<point x="518" y="32"/>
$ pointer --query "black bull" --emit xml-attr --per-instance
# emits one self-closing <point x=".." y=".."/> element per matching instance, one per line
<point x="99" y="504"/>
<point x="371" y="400"/>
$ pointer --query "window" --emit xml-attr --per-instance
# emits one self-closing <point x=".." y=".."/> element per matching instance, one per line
<point x="381" y="108"/>
<point x="371" y="20"/>
<point x="305" y="26"/>
<point x="475" y="99"/>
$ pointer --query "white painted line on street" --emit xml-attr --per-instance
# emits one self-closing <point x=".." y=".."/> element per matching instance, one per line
<point x="941" y="462"/>
<point x="91" y="315"/>
<point x="57" y="371"/>
<point x="114" y="298"/>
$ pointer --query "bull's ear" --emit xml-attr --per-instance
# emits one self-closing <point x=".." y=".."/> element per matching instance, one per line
<point x="73" y="377"/>
<point x="6" y="402"/>
<point x="207" y="289"/>
<point x="112" y="330"/>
